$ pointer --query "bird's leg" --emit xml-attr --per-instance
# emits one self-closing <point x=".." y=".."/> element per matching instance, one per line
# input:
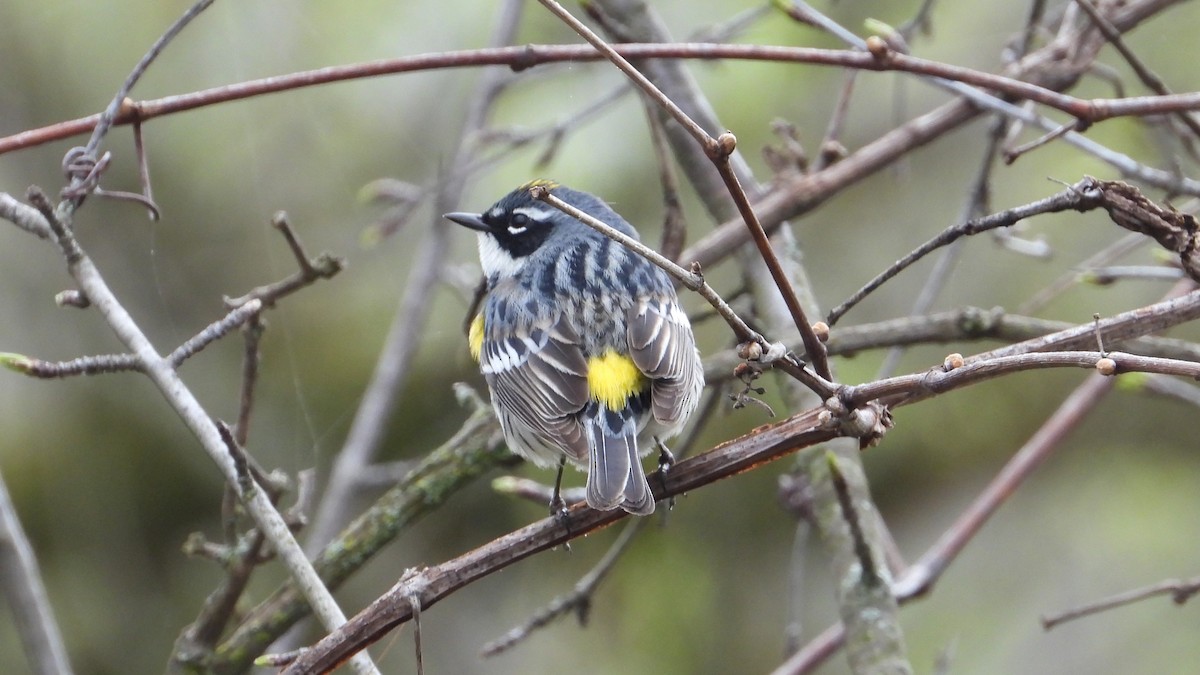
<point x="665" y="461"/>
<point x="558" y="507"/>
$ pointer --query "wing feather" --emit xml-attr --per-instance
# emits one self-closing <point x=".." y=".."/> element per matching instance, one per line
<point x="540" y="377"/>
<point x="663" y="347"/>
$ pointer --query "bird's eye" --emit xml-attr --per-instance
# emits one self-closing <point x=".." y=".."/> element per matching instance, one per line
<point x="518" y="223"/>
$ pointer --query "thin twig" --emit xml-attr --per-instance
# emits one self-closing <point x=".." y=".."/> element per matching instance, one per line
<point x="83" y="365"/>
<point x="978" y="369"/>
<point x="862" y="549"/>
<point x="1104" y="256"/>
<point x="1180" y="590"/>
<point x="109" y="115"/>
<point x="1078" y="197"/>
<point x="117" y="363"/>
<point x="324" y="266"/>
<point x="578" y="600"/>
<point x="21" y="583"/>
<point x="1013" y="154"/>
<point x="236" y="318"/>
<point x="252" y="334"/>
<point x="831" y="150"/>
<point x="674" y="234"/>
<point x="85" y="180"/>
<point x="143" y="163"/>
<point x="533" y="55"/>
<point x="1102" y="276"/>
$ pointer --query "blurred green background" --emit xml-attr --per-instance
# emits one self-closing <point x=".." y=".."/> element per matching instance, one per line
<point x="108" y="483"/>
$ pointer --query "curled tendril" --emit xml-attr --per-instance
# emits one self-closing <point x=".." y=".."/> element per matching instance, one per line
<point x="83" y="172"/>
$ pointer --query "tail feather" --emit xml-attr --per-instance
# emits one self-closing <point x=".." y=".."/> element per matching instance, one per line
<point x="638" y="499"/>
<point x="615" y="474"/>
<point x="608" y="470"/>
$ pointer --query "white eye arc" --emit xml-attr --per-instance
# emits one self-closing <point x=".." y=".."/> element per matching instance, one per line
<point x="517" y="224"/>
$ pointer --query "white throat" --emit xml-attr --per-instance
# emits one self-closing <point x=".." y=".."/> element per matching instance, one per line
<point x="496" y="262"/>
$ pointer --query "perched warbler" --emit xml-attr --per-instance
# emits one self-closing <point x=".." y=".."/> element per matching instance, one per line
<point x="582" y="342"/>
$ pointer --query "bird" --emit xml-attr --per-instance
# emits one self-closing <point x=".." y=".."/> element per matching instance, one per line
<point x="583" y="343"/>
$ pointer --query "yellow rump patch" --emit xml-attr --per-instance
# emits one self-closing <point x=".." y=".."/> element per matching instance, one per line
<point x="613" y="378"/>
<point x="475" y="337"/>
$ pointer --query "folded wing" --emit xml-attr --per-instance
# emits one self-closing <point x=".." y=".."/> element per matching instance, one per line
<point x="663" y="347"/>
<point x="540" y="376"/>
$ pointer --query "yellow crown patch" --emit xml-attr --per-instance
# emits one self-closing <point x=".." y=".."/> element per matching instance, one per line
<point x="539" y="182"/>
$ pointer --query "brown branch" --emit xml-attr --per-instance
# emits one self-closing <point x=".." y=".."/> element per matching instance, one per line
<point x="528" y="56"/>
<point x="765" y="444"/>
<point x="973" y="324"/>
<point x="939" y="380"/>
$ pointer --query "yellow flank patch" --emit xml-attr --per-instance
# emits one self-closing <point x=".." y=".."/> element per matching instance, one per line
<point x="613" y="378"/>
<point x="475" y="337"/>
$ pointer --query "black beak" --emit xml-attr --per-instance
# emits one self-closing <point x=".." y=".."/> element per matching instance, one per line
<point x="473" y="221"/>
